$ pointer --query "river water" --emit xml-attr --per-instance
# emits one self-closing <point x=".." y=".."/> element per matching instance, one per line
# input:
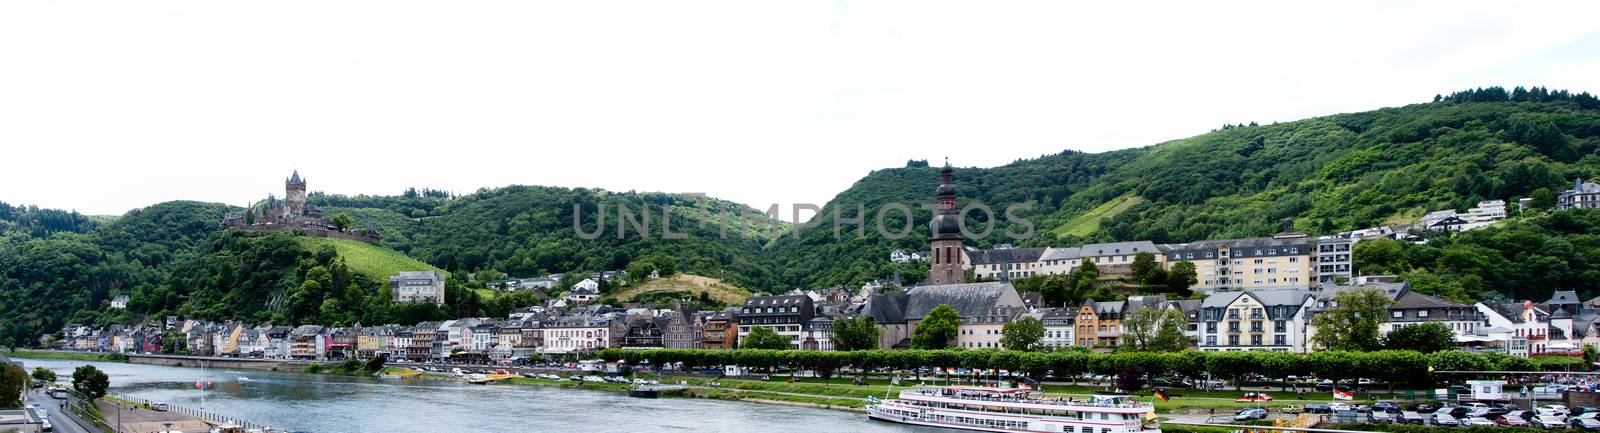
<point x="340" y="404"/>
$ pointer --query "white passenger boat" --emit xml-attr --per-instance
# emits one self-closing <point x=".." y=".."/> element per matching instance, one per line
<point x="1014" y="410"/>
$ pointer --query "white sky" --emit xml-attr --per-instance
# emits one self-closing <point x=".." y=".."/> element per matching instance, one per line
<point x="107" y="106"/>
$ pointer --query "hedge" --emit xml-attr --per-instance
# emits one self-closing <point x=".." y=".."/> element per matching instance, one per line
<point x="1392" y="366"/>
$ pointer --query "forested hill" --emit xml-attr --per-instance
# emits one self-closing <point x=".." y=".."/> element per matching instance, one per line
<point x="59" y="267"/>
<point x="1331" y="173"/>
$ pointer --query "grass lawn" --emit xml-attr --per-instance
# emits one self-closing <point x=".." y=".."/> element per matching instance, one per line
<point x="374" y="261"/>
<point x="75" y="356"/>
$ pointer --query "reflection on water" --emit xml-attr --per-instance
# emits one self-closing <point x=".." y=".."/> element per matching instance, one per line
<point x="338" y="404"/>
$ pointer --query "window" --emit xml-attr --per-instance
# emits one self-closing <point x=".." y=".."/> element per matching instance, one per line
<point x="1255" y="326"/>
<point x="1233" y="326"/>
<point x="1211" y="340"/>
<point x="1211" y="327"/>
<point x="1280" y="340"/>
<point x="1422" y="313"/>
<point x="1397" y="314"/>
<point x="1255" y="340"/>
<point x="1280" y="326"/>
<point x="1233" y="340"/>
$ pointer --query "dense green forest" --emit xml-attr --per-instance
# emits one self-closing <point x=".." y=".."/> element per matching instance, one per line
<point x="1330" y="173"/>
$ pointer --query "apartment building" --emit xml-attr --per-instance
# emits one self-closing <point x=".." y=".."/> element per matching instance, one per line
<point x="1059" y="324"/>
<point x="786" y="315"/>
<point x="987" y="329"/>
<point x="1266" y="319"/>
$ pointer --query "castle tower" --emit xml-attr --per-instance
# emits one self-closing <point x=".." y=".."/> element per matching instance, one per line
<point x="295" y="193"/>
<point x="948" y="265"/>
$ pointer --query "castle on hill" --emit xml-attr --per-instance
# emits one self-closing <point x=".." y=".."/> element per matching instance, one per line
<point x="292" y="213"/>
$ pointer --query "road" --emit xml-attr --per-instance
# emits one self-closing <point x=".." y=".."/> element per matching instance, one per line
<point x="58" y="417"/>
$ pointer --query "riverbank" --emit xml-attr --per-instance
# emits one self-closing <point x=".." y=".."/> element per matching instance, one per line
<point x="839" y="393"/>
<point x="73" y="356"/>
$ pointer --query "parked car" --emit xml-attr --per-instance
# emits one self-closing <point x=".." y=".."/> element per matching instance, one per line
<point x="1586" y="421"/>
<point x="44" y="425"/>
<point x="1250" y="414"/>
<point x="1409" y="417"/>
<point x="1338" y="407"/>
<point x="1318" y="408"/>
<point x="1444" y="419"/>
<point x="1292" y="409"/>
<point x="1580" y="410"/>
<point x="1516" y="418"/>
<point x="1424" y="407"/>
<point x="1249" y="408"/>
<point x="1477" y="421"/>
<point x="1554" y="409"/>
<point x="1548" y="421"/>
<point x="1386" y="406"/>
<point x="1385" y="417"/>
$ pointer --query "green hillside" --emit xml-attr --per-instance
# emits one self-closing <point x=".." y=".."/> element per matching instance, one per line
<point x="1330" y="173"/>
<point x="374" y="261"/>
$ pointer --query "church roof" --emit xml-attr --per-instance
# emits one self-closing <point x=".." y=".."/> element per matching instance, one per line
<point x="1563" y="297"/>
<point x="295" y="178"/>
<point x="1007" y="255"/>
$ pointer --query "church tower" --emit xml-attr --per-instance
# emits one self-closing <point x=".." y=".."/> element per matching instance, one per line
<point x="295" y="193"/>
<point x="949" y="266"/>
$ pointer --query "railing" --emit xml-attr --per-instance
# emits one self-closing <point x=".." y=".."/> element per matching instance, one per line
<point x="208" y="417"/>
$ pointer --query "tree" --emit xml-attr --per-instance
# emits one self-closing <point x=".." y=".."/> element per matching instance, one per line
<point x="375" y="364"/>
<point x="1352" y="322"/>
<point x="1131" y="379"/>
<point x="1424" y="337"/>
<point x="1022" y="334"/>
<point x="1181" y="277"/>
<point x="12" y="381"/>
<point x="44" y="375"/>
<point x="341" y="221"/>
<point x="938" y="329"/>
<point x="90" y="382"/>
<point x="1144" y="263"/>
<point x="762" y="337"/>
<point x="1543" y="198"/>
<point x="1155" y="330"/>
<point x="856" y="333"/>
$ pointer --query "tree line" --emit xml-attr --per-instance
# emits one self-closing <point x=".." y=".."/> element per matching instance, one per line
<point x="1396" y="367"/>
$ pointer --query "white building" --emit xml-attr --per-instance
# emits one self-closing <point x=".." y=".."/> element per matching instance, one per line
<point x="1265" y="319"/>
<point x="417" y="286"/>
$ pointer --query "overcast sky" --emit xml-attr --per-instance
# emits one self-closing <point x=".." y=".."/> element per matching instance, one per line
<point x="107" y="106"/>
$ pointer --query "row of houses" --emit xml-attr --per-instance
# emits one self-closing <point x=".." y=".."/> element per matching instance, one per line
<point x="1287" y="259"/>
<point x="1276" y="319"/>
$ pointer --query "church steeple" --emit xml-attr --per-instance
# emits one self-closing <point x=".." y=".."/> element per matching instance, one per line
<point x="948" y="265"/>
